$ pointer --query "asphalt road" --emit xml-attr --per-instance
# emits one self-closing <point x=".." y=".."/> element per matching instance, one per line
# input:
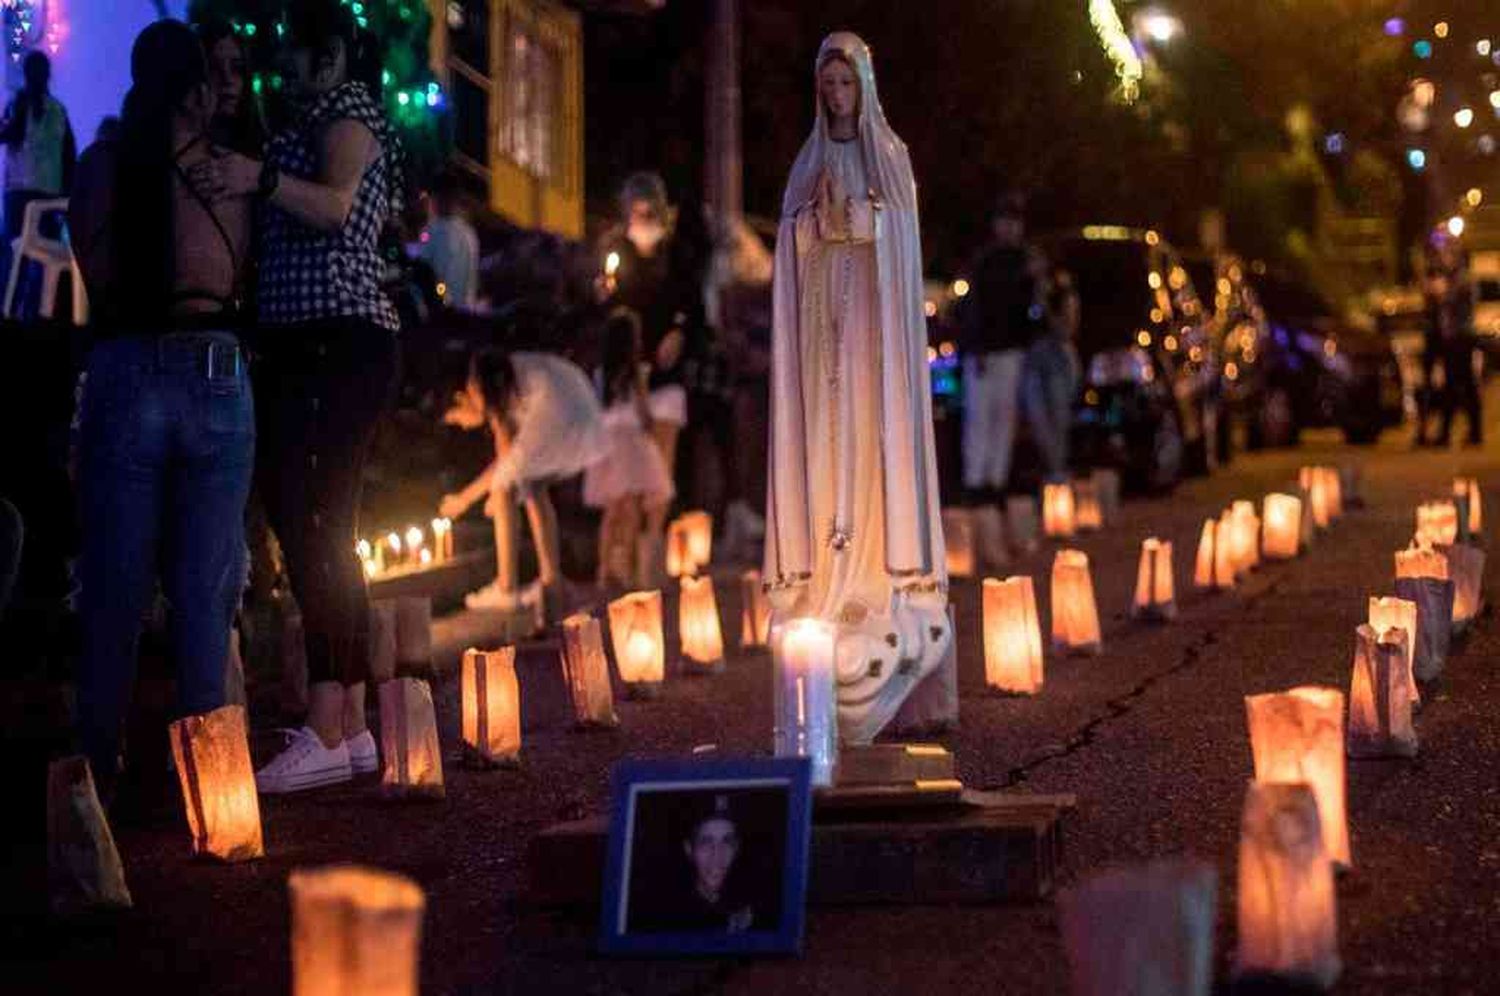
<point x="1150" y="736"/>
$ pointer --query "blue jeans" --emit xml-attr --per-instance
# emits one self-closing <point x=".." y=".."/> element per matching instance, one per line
<point x="166" y="450"/>
<point x="1049" y="388"/>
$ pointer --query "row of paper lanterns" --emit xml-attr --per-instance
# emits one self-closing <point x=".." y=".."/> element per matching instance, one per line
<point x="1158" y="919"/>
<point x="1230" y="545"/>
<point x="1294" y="826"/>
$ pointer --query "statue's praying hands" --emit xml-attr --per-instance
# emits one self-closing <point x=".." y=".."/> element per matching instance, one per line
<point x="832" y="206"/>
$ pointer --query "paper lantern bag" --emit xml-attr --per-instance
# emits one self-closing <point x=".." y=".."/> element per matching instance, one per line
<point x="1380" y="701"/>
<point x="586" y="671"/>
<point x="411" y="757"/>
<point x="83" y="867"/>
<point x="212" y="752"/>
<point x="755" y="612"/>
<point x="958" y="537"/>
<point x="1288" y="923"/>
<point x="355" y="931"/>
<point x="1433" y="598"/>
<point x="1141" y="931"/>
<point x="1298" y="736"/>
<point x="490" y="703"/>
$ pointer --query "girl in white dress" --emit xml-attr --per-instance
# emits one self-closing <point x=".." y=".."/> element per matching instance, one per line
<point x="546" y="423"/>
<point x="631" y="482"/>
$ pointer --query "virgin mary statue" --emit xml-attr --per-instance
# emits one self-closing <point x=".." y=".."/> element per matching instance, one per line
<point x="854" y="528"/>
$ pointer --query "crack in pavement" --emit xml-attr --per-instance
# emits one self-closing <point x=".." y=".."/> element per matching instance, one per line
<point x="1120" y="705"/>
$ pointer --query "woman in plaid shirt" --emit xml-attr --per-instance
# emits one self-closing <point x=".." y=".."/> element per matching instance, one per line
<point x="327" y="362"/>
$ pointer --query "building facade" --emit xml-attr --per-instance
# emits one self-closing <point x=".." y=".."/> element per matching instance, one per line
<point x="513" y="70"/>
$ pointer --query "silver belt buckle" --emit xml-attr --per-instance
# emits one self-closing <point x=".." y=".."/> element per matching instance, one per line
<point x="213" y="355"/>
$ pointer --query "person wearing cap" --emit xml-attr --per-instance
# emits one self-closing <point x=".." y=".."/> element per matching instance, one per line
<point x="1000" y="320"/>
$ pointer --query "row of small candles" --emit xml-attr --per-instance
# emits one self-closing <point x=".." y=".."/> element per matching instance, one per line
<point x="407" y="551"/>
<point x="1294" y="825"/>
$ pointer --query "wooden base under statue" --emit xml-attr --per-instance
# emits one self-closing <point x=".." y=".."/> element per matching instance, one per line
<point x="898" y="829"/>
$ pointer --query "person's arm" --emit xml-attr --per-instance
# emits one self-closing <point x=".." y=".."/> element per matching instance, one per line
<point x="348" y="149"/>
<point x="454" y="505"/>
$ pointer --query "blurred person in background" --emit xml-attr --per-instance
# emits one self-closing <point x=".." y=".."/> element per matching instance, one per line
<point x="1050" y="379"/>
<point x="450" y="246"/>
<point x="1451" y="316"/>
<point x="40" y="154"/>
<point x="999" y="321"/>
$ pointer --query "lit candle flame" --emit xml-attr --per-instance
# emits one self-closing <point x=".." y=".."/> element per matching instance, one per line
<point x="413" y="537"/>
<point x="611" y="264"/>
<point x="393" y="540"/>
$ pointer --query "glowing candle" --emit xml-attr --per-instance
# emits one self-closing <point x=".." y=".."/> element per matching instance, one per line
<point x="1075" y="616"/>
<point x="1386" y="613"/>
<point x="1213" y="570"/>
<point x="1088" y="511"/>
<point x="1012" y="636"/>
<point x="1281" y="526"/>
<point x="490" y="696"/>
<point x="806" y="716"/>
<point x="1288" y="923"/>
<point x="698" y="624"/>
<point x="958" y="539"/>
<point x="1298" y="736"/>
<point x="355" y="930"/>
<point x="755" y="616"/>
<point x="1468" y="489"/>
<point x="1380" y="700"/>
<point x="212" y="755"/>
<point x="587" y="672"/>
<point x="1058" y="518"/>
<point x="1437" y="523"/>
<point x="1154" y="597"/>
<point x="414" y="543"/>
<point x="635" y="629"/>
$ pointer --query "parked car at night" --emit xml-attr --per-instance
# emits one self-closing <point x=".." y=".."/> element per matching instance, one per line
<point x="1291" y="361"/>
<point x="1150" y="397"/>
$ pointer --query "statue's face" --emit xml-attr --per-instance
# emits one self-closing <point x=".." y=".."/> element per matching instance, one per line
<point x="839" y="88"/>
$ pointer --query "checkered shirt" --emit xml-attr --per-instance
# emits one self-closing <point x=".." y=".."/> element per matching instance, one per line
<point x="307" y="275"/>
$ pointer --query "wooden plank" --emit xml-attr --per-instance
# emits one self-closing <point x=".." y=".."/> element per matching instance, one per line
<point x="990" y="852"/>
<point x="891" y="764"/>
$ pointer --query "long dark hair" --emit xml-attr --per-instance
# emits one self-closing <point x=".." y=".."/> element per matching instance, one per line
<point x="316" y="24"/>
<point x="492" y="369"/>
<point x="621" y="354"/>
<point x="166" y="65"/>
<point x="246" y="131"/>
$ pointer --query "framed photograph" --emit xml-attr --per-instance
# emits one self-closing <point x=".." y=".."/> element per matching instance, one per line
<point x="707" y="857"/>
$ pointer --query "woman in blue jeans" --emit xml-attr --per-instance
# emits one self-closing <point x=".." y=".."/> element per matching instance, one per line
<point x="167" y="426"/>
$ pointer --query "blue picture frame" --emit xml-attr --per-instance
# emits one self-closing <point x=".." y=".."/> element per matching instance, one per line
<point x="651" y="902"/>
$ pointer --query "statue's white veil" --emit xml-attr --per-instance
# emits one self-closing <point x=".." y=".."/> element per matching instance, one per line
<point x="914" y="542"/>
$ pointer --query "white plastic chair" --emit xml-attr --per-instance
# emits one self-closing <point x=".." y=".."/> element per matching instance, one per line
<point x="54" y="257"/>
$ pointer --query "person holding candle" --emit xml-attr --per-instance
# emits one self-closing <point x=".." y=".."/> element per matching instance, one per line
<point x="656" y="270"/>
<point x="631" y="479"/>
<point x="327" y="359"/>
<point x="545" y="420"/>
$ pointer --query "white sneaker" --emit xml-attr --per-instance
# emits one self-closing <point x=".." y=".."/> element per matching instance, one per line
<point x="492" y="597"/>
<point x="305" y="764"/>
<point x="531" y="595"/>
<point x="364" y="759"/>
